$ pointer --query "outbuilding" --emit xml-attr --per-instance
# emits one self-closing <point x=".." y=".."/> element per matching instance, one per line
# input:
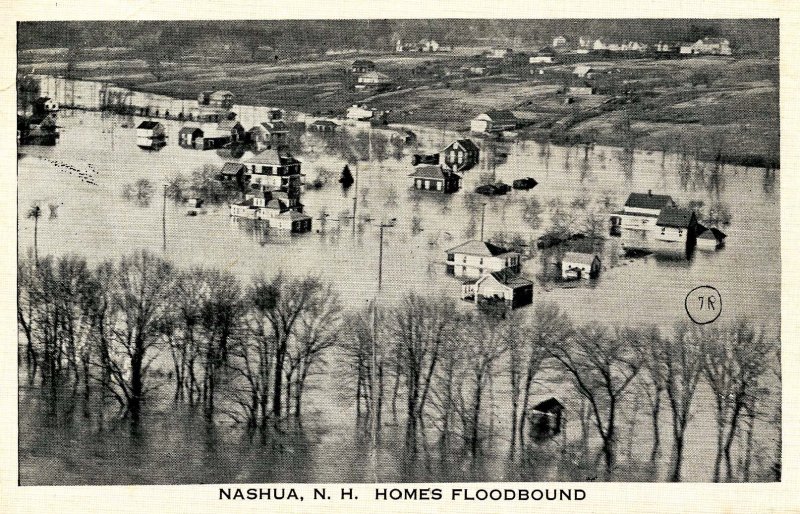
<point x="577" y="265"/>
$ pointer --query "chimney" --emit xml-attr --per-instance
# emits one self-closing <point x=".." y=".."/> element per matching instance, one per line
<point x="649" y="192"/>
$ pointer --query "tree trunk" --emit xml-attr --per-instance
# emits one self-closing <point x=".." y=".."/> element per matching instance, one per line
<point x="656" y="433"/>
<point x="278" y="386"/>
<point x="676" y="469"/>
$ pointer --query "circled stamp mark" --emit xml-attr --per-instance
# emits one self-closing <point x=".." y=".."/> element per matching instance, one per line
<point x="703" y="304"/>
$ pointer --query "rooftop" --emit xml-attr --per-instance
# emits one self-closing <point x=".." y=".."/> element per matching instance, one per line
<point x="479" y="248"/>
<point x="148" y="125"/>
<point x="579" y="257"/>
<point x="511" y="279"/>
<point x="675" y="217"/>
<point x="648" y="201"/>
<point x="428" y="171"/>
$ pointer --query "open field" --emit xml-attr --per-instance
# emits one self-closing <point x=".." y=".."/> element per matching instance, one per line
<point x="713" y="107"/>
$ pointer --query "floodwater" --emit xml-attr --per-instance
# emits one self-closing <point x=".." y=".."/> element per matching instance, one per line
<point x="174" y="446"/>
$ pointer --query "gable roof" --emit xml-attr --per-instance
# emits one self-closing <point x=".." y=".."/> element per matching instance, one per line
<point x="325" y="123"/>
<point x="275" y="126"/>
<point x="231" y="168"/>
<point x="648" y="201"/>
<point x="675" y="217"/>
<point x="190" y="130"/>
<point x="549" y="405"/>
<point x="479" y="248"/>
<point x="502" y="116"/>
<point x="579" y="257"/>
<point x="363" y="62"/>
<point x="711" y="233"/>
<point x="148" y="125"/>
<point x="228" y="125"/>
<point x="430" y="171"/>
<point x="466" y="144"/>
<point x="271" y="156"/>
<point x="294" y="215"/>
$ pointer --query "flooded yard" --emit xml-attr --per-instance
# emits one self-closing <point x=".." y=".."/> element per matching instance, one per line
<point x="94" y="220"/>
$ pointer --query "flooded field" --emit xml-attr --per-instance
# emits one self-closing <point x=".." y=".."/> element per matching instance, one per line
<point x="94" y="220"/>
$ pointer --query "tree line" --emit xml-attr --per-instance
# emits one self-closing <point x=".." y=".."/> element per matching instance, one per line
<point x="120" y="333"/>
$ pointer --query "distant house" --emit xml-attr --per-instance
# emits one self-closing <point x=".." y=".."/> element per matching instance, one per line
<point x="475" y="258"/>
<point x="503" y="286"/>
<point x="373" y="79"/>
<point x="43" y="106"/>
<point x="712" y="46"/>
<point x="480" y="70"/>
<point x="269" y="134"/>
<point x="583" y="71"/>
<point x="360" y="112"/>
<point x="234" y="128"/>
<point x="323" y="126"/>
<point x="580" y="265"/>
<point x="213" y="138"/>
<point x="461" y="155"/>
<point x="273" y="170"/>
<point x="686" y="48"/>
<point x="429" y="177"/>
<point x="541" y="59"/>
<point x="150" y="134"/>
<point x="222" y="100"/>
<point x="362" y="66"/>
<point x="291" y="221"/>
<point x="667" y="47"/>
<point x="499" y="53"/>
<point x="709" y="238"/>
<point x="41" y="130"/>
<point x="493" y="121"/>
<point x="189" y="137"/>
<point x="277" y="208"/>
<point x="233" y="172"/>
<point x="581" y="90"/>
<point x="559" y="41"/>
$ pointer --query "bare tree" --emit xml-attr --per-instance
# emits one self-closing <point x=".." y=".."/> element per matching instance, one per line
<point x="601" y="366"/>
<point x="649" y="343"/>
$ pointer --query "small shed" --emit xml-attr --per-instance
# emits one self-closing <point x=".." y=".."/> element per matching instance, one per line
<point x="546" y="418"/>
<point x="430" y="177"/>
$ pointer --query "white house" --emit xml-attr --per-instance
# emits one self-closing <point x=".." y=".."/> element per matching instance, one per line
<point x="493" y="121"/>
<point x="374" y="78"/>
<point x="676" y="226"/>
<point x="149" y="134"/>
<point x="499" y="53"/>
<point x="475" y="258"/>
<point x="559" y="41"/>
<point x="712" y="46"/>
<point x="583" y="70"/>
<point x="273" y="170"/>
<point x="503" y="286"/>
<point x="541" y="59"/>
<point x="360" y="112"/>
<point x="580" y="265"/>
<point x="637" y="221"/>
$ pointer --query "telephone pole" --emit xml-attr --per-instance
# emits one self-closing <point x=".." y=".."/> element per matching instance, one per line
<point x="164" y="221"/>
<point x="483" y="217"/>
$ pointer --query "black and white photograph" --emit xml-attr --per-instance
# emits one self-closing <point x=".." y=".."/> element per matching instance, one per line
<point x="437" y="250"/>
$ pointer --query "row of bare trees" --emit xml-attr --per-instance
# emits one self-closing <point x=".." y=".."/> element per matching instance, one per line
<point x="118" y="331"/>
<point x="449" y="367"/>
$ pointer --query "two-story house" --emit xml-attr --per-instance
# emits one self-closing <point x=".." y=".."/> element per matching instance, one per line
<point x="637" y="220"/>
<point x="273" y="170"/>
<point x="150" y="134"/>
<point x="461" y="155"/>
<point x="473" y="259"/>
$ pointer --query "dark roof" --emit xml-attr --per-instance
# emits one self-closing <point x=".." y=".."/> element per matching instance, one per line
<point x="275" y="126"/>
<point x="467" y="144"/>
<point x="363" y="62"/>
<point x="325" y="123"/>
<point x="228" y="124"/>
<point x="648" y="201"/>
<point x="503" y="115"/>
<point x="149" y="125"/>
<point x="549" y="405"/>
<point x="511" y="279"/>
<point x="190" y="130"/>
<point x="675" y="217"/>
<point x="231" y="168"/>
<point x="479" y="248"/>
<point x="711" y="233"/>
<point x="273" y="157"/>
<point x="430" y="171"/>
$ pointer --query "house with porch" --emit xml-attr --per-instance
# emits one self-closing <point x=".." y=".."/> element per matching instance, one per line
<point x="475" y="258"/>
<point x="501" y="286"/>
<point x="429" y="177"/>
<point x="461" y="155"/>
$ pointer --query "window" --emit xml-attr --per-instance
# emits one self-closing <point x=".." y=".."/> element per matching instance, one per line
<point x="464" y="258"/>
<point x="663" y="230"/>
<point x="481" y="262"/>
<point x="265" y="169"/>
<point x="680" y="233"/>
<point x="451" y="257"/>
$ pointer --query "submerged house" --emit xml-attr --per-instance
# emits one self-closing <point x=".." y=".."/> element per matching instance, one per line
<point x="273" y="170"/>
<point x="323" y="126"/>
<point x="233" y="172"/>
<point x="501" y="286"/>
<point x="577" y="265"/>
<point x="278" y="209"/>
<point x="150" y="134"/>
<point x="545" y="418"/>
<point x="461" y="155"/>
<point x="190" y="137"/>
<point x="653" y="222"/>
<point x="710" y="238"/>
<point x="362" y="66"/>
<point x="476" y="258"/>
<point x="429" y="177"/>
<point x="234" y="128"/>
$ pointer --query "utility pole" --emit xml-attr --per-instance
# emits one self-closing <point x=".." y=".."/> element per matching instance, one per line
<point x="483" y="217"/>
<point x="355" y="201"/>
<point x="164" y="221"/>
